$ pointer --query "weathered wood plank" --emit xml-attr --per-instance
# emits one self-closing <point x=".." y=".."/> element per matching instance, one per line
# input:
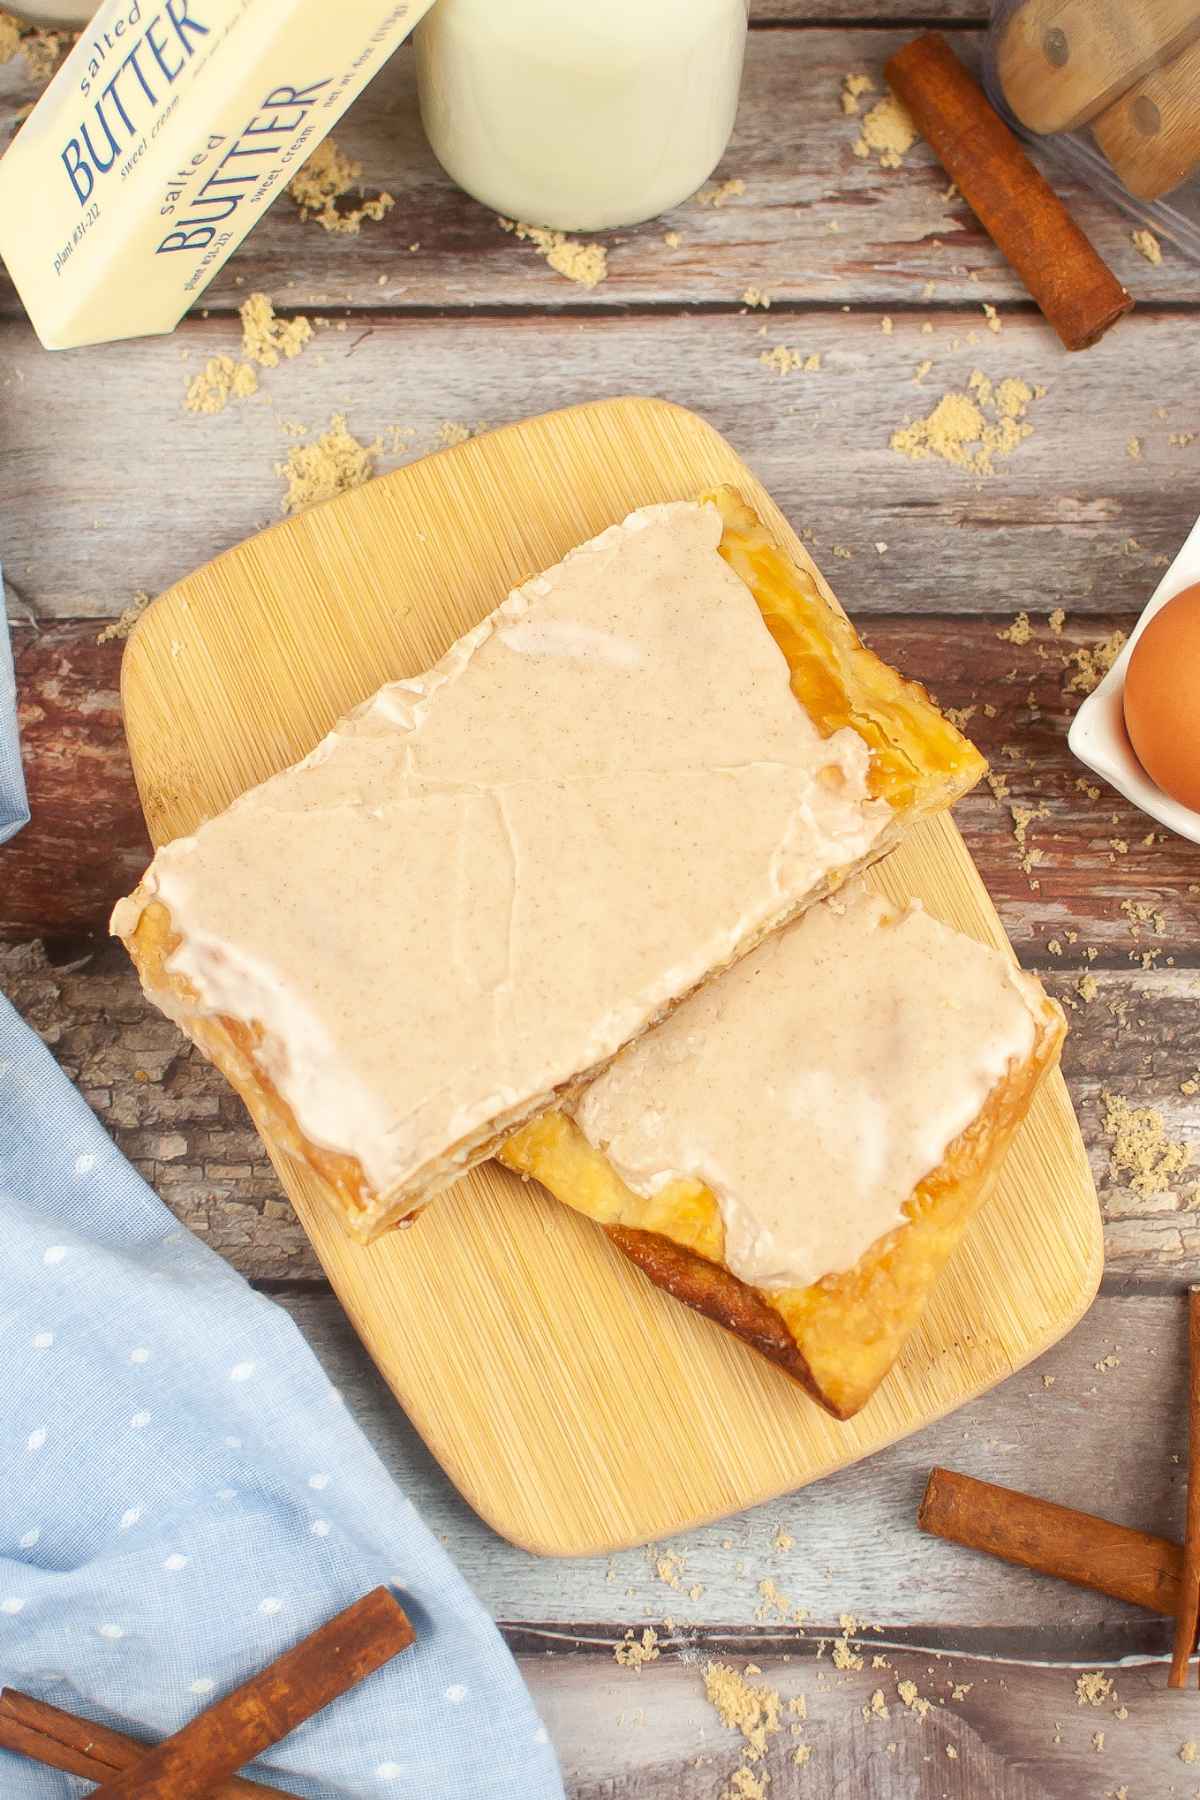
<point x="856" y="1548"/>
<point x="179" y="1122"/>
<point x="84" y="529"/>
<point x="87" y="844"/>
<point x="1016" y="1733"/>
<point x="793" y="148"/>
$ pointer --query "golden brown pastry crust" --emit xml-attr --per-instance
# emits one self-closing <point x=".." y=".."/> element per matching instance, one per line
<point x="920" y="763"/>
<point x="839" y="1336"/>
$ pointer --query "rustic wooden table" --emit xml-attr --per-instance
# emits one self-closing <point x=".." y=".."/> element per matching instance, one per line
<point x="443" y="321"/>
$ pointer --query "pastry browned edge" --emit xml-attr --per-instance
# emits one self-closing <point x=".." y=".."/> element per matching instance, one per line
<point x="839" y="1336"/>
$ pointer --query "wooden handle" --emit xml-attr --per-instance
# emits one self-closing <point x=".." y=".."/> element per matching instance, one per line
<point x="1054" y="1540"/>
<point x="1062" y="62"/>
<point x="271" y="1704"/>
<point x="60" y="1740"/>
<point x="1151" y="136"/>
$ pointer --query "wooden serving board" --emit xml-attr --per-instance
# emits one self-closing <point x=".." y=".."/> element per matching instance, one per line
<point x="577" y="1408"/>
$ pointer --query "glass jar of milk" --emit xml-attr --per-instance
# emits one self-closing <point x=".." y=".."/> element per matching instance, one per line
<point x="580" y="114"/>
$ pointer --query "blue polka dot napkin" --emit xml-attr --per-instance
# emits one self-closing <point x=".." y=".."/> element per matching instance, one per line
<point x="183" y="1493"/>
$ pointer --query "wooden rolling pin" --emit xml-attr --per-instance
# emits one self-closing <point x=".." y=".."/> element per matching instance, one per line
<point x="1062" y="62"/>
<point x="1151" y="135"/>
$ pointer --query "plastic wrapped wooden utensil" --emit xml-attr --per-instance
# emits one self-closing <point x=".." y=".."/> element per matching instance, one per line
<point x="1111" y="89"/>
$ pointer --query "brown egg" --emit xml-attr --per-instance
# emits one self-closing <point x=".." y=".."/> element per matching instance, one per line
<point x="1162" y="698"/>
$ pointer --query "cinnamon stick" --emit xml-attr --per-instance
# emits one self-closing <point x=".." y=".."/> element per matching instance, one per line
<point x="59" y="1740"/>
<point x="271" y="1704"/>
<point x="1188" y="1614"/>
<point x="1078" y="293"/>
<point x="1055" y="1540"/>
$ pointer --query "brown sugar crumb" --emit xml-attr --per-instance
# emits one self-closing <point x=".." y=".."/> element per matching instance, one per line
<point x="1087" y="987"/>
<point x="992" y="317"/>
<point x="1097" y="1740"/>
<point x="907" y="1692"/>
<point x="1019" y="632"/>
<point x="886" y="325"/>
<point x="1191" y="1085"/>
<point x="219" y="381"/>
<point x="452" y="432"/>
<point x="1187" y="1752"/>
<point x="42" y="50"/>
<point x="1057" y="621"/>
<point x="121" y="628"/>
<point x="669" y="1569"/>
<point x="1139" y="1147"/>
<point x="959" y="715"/>
<point x="1111" y="1361"/>
<point x="1134" y="449"/>
<point x="744" y="1784"/>
<point x="336" y="462"/>
<point x="876" y="1707"/>
<point x="1093" y="661"/>
<point x="1092" y="1688"/>
<point x="717" y="193"/>
<point x="773" y="1603"/>
<point x="753" y="296"/>
<point x="960" y="431"/>
<point x="843" y="1656"/>
<point x="1022" y="818"/>
<point x="922" y="370"/>
<point x="1179" y="440"/>
<point x="801" y="1754"/>
<point x="265" y="338"/>
<point x="1148" y="245"/>
<point x="672" y="239"/>
<point x="784" y="360"/>
<point x="951" y="1752"/>
<point x="743" y="1706"/>
<point x="327" y="177"/>
<point x="633" y="1652"/>
<point x="783" y="1540"/>
<point x="585" y="263"/>
<point x="853" y="87"/>
<point x="888" y="131"/>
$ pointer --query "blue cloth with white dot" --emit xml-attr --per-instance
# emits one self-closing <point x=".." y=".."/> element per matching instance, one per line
<point x="183" y="1494"/>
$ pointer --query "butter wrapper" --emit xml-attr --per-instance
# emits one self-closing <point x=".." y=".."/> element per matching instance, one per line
<point x="167" y="132"/>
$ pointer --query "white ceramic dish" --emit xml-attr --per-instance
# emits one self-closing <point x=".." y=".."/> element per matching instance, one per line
<point x="1098" y="736"/>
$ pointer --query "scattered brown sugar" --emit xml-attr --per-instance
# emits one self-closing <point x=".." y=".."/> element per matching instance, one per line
<point x="1139" y="1148"/>
<point x="121" y="628"/>
<point x="1149" y="246"/>
<point x="784" y="360"/>
<point x="585" y="263"/>
<point x="43" y="50"/>
<point x="669" y="1569"/>
<point x="717" y="193"/>
<point x="1187" y="1752"/>
<point x="753" y="1709"/>
<point x="266" y="338"/>
<point x="960" y="431"/>
<point x="327" y="177"/>
<point x="316" y="471"/>
<point x="672" y="239"/>
<point x="876" y="1707"/>
<point x="783" y="1540"/>
<point x="960" y="716"/>
<point x="753" y="296"/>
<point x="1087" y="987"/>
<point x="1019" y="632"/>
<point x="1093" y="661"/>
<point x="744" y="1784"/>
<point x="886" y="326"/>
<point x="633" y="1652"/>
<point x="1022" y="818"/>
<point x="10" y="37"/>
<point x="1133" y="449"/>
<point x="1092" y="1688"/>
<point x="907" y="1692"/>
<point x="853" y="87"/>
<point x="1057" y="621"/>
<point x="1111" y="1361"/>
<point x="843" y="1656"/>
<point x="773" y="1603"/>
<point x="888" y="131"/>
<point x="219" y="381"/>
<point x="992" y="317"/>
<point x="1191" y="1085"/>
<point x="1097" y="1740"/>
<point x="451" y="432"/>
<point x="1179" y="440"/>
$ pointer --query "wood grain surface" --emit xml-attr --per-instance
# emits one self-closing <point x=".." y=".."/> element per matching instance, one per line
<point x="473" y="327"/>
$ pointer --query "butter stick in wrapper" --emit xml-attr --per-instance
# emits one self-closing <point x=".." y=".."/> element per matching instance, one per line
<point x="167" y="132"/>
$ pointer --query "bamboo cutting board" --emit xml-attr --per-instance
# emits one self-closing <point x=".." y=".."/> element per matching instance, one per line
<point x="578" y="1409"/>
